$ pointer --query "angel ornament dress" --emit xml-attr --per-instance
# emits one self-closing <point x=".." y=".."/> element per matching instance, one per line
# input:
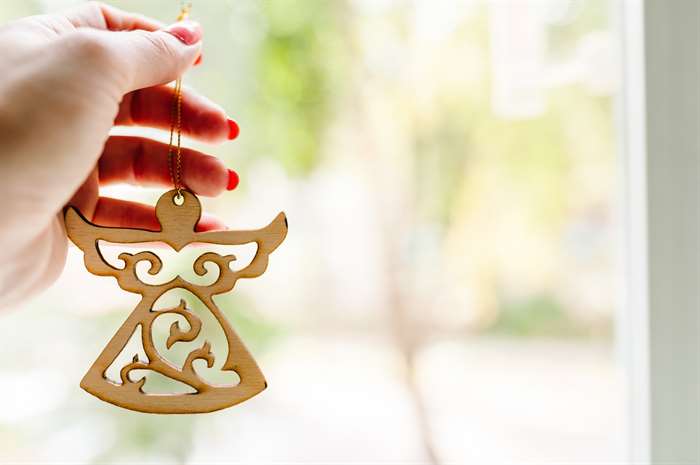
<point x="178" y="212"/>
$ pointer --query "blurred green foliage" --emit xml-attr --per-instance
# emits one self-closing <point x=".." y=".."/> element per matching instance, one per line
<point x="537" y="316"/>
<point x="535" y="165"/>
<point x="293" y="76"/>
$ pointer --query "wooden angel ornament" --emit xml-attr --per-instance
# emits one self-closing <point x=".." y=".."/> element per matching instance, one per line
<point x="178" y="212"/>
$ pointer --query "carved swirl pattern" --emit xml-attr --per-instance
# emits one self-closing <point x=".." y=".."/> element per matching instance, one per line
<point x="156" y="362"/>
<point x="161" y="365"/>
<point x="128" y="276"/>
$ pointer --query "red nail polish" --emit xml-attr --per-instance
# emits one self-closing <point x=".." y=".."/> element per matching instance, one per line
<point x="233" y="129"/>
<point x="188" y="32"/>
<point x="232" y="180"/>
<point x="198" y="61"/>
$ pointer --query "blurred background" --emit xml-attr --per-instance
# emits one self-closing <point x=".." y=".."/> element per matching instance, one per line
<point x="447" y="290"/>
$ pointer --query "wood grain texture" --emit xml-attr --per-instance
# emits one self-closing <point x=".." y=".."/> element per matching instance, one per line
<point x="177" y="230"/>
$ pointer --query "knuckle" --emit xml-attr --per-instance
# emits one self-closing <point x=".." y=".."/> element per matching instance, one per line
<point x="89" y="46"/>
<point x="162" y="46"/>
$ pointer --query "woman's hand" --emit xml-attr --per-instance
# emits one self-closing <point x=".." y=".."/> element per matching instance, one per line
<point x="66" y="81"/>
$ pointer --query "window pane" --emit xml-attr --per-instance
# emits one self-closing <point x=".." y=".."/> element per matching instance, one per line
<point x="448" y="286"/>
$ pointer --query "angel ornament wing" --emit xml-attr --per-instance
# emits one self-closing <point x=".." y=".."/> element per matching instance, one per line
<point x="178" y="221"/>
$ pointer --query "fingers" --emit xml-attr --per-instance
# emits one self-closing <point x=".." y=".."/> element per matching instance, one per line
<point x="125" y="214"/>
<point x="100" y="16"/>
<point x="85" y="198"/>
<point x="201" y="118"/>
<point x="131" y="60"/>
<point x="210" y="223"/>
<point x="144" y="162"/>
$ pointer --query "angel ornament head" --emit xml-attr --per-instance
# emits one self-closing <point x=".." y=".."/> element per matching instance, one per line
<point x="178" y="212"/>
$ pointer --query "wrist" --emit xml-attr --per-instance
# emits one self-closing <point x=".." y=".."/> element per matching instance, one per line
<point x="31" y="266"/>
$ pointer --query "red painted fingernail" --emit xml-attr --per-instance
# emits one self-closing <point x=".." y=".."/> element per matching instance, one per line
<point x="198" y="61"/>
<point x="188" y="32"/>
<point x="233" y="129"/>
<point x="232" y="180"/>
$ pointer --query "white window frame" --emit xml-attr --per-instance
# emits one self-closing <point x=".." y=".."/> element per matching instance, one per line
<point x="660" y="322"/>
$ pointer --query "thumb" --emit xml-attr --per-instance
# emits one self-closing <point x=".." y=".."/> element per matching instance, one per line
<point x="140" y="58"/>
<point x="157" y="57"/>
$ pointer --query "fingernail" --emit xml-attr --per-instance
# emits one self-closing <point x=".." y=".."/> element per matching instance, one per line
<point x="232" y="180"/>
<point x="198" y="61"/>
<point x="233" y="129"/>
<point x="188" y="32"/>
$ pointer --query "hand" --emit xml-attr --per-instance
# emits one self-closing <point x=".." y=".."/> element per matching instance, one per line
<point x="66" y="81"/>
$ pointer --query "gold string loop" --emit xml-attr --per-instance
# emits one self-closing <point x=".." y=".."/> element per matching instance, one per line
<point x="175" y="151"/>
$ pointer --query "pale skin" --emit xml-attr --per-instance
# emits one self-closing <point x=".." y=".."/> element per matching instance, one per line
<point x="67" y="79"/>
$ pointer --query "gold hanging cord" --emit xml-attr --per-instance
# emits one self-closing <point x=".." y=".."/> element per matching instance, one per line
<point x="175" y="151"/>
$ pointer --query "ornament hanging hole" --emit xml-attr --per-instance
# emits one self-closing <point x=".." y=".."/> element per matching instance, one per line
<point x="178" y="199"/>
